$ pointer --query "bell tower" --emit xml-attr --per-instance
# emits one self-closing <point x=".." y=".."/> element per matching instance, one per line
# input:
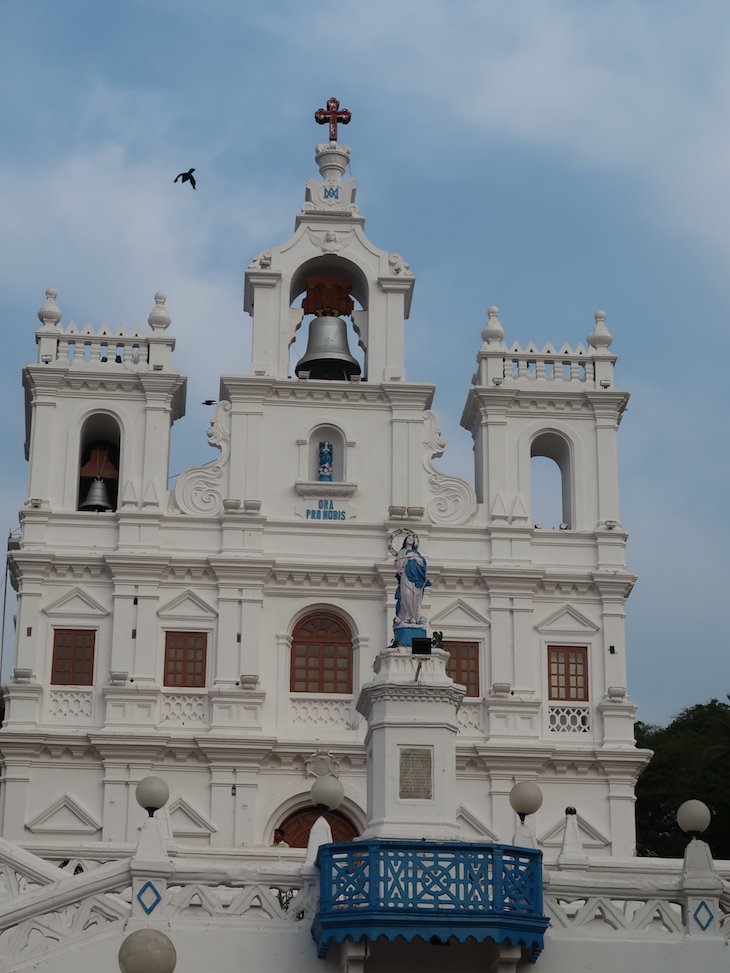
<point x="559" y="403"/>
<point x="332" y="280"/>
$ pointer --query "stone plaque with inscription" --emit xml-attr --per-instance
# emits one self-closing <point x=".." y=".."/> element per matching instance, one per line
<point x="416" y="774"/>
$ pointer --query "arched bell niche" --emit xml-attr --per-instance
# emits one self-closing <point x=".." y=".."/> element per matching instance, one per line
<point x="551" y="476"/>
<point x="98" y="476"/>
<point x="335" y="274"/>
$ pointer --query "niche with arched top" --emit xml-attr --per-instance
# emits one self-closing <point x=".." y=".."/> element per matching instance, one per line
<point x="98" y="477"/>
<point x="327" y="455"/>
<point x="551" y="481"/>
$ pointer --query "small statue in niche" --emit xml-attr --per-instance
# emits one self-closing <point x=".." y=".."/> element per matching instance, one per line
<point x="325" y="461"/>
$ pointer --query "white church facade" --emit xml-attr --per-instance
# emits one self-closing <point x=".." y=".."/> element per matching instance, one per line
<point x="234" y="635"/>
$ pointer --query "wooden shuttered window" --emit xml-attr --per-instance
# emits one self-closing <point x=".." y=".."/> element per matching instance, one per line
<point x="185" y="659"/>
<point x="568" y="672"/>
<point x="463" y="665"/>
<point x="73" y="657"/>
<point x="321" y="655"/>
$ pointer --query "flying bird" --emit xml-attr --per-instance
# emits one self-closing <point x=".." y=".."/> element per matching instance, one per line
<point x="208" y="402"/>
<point x="186" y="177"/>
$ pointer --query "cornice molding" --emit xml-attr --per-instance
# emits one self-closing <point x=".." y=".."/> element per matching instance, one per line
<point x="419" y="693"/>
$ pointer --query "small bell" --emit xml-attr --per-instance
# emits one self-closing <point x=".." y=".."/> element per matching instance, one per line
<point x="97" y="498"/>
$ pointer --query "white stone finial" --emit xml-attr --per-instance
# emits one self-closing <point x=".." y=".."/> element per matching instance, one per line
<point x="493" y="332"/>
<point x="50" y="314"/>
<point x="332" y="158"/>
<point x="571" y="850"/>
<point x="159" y="318"/>
<point x="319" y="834"/>
<point x="600" y="337"/>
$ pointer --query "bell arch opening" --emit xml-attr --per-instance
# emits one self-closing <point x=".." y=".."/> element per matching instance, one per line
<point x="333" y="344"/>
<point x="98" y="470"/>
<point x="551" y="481"/>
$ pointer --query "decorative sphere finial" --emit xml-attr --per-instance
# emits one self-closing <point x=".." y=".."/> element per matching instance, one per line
<point x="159" y="318"/>
<point x="50" y="314"/>
<point x="600" y="337"/>
<point x="493" y="332"/>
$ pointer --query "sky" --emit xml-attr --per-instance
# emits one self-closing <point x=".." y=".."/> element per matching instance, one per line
<point x="551" y="158"/>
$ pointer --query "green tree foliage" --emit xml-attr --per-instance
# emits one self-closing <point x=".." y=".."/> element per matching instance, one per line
<point x="691" y="760"/>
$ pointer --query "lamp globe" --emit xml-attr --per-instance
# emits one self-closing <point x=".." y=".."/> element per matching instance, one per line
<point x="693" y="817"/>
<point x="147" y="951"/>
<point x="525" y="798"/>
<point x="327" y="792"/>
<point x="152" y="793"/>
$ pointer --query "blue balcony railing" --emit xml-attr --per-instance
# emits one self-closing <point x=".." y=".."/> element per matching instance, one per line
<point x="431" y="890"/>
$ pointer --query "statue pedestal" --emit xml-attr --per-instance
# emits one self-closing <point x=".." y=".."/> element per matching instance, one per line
<point x="411" y="707"/>
<point x="404" y="634"/>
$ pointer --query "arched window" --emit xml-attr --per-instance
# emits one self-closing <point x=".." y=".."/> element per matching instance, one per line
<point x="551" y="478"/>
<point x="321" y="655"/>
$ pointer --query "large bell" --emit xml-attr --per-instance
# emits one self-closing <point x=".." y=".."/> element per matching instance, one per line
<point x="97" y="498"/>
<point x="328" y="352"/>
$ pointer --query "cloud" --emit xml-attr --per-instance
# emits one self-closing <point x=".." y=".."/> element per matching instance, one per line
<point x="630" y="90"/>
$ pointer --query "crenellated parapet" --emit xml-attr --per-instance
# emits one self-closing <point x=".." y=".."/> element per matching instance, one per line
<point x="86" y="346"/>
<point x="550" y="366"/>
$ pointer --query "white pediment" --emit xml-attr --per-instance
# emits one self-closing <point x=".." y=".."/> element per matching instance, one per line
<point x="186" y="822"/>
<point x="567" y="621"/>
<point x="590" y="835"/>
<point x="459" y="615"/>
<point x="187" y="607"/>
<point x="64" y="817"/>
<point x="76" y="603"/>
<point x="472" y="826"/>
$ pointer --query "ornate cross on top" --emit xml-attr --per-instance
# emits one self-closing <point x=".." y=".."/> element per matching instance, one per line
<point x="333" y="115"/>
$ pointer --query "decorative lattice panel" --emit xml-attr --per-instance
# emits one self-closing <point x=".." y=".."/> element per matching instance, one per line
<point x="570" y="719"/>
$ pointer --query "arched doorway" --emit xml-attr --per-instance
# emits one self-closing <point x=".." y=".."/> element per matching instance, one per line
<point x="298" y="825"/>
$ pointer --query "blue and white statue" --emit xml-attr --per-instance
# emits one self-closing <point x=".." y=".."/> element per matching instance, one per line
<point x="410" y="569"/>
<point x="325" y="461"/>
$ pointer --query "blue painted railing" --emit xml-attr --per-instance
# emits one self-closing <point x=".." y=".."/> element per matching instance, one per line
<point x="431" y="890"/>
